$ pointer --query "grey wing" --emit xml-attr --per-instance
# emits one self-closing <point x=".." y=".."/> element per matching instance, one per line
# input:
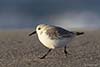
<point x="59" y="33"/>
<point x="64" y="33"/>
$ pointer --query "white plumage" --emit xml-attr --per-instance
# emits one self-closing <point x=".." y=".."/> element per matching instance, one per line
<point x="48" y="41"/>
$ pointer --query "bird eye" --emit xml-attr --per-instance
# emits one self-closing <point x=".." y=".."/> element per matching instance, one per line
<point x="39" y="28"/>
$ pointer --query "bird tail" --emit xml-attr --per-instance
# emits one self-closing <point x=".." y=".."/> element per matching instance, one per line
<point x="79" y="33"/>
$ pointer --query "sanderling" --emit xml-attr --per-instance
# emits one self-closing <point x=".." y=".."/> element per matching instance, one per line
<point x="54" y="37"/>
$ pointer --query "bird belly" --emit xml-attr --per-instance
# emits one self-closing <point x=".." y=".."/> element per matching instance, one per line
<point x="53" y="43"/>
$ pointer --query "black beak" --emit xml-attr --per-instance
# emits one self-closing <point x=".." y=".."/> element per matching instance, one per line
<point x="32" y="33"/>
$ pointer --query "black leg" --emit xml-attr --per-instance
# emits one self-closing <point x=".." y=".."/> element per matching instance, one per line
<point x="65" y="51"/>
<point x="46" y="54"/>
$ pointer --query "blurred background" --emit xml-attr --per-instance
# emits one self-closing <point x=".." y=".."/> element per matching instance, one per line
<point x="23" y="14"/>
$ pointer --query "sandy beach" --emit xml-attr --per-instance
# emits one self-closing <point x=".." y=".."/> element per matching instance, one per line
<point x="17" y="49"/>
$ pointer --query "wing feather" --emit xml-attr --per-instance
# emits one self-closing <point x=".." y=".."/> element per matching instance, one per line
<point x="59" y="33"/>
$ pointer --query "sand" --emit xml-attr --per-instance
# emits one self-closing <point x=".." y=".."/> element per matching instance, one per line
<point x="17" y="49"/>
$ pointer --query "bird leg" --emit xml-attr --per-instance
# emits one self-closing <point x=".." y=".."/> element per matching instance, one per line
<point x="65" y="51"/>
<point x="45" y="54"/>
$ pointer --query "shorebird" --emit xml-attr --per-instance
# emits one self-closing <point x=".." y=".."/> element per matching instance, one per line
<point x="54" y="37"/>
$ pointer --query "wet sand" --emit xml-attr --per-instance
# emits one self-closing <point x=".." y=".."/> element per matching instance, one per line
<point x="17" y="49"/>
